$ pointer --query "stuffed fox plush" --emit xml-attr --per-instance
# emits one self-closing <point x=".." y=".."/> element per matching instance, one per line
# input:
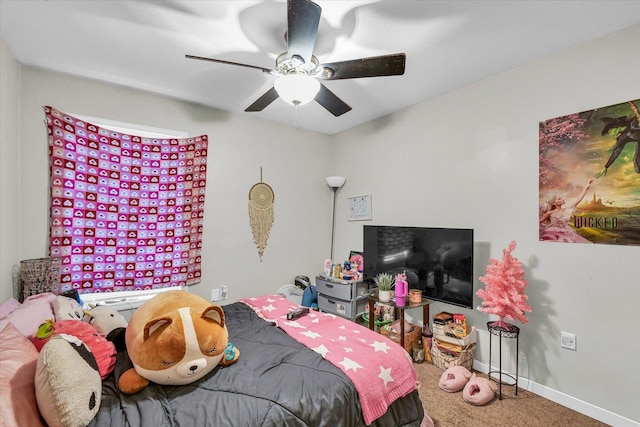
<point x="175" y="338"/>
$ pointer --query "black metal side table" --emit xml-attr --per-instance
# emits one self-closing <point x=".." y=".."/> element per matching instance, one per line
<point x="510" y="331"/>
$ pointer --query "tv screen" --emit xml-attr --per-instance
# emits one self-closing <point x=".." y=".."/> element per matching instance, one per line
<point x="438" y="261"/>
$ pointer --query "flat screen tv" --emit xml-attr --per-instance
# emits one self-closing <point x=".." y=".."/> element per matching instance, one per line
<point x="438" y="261"/>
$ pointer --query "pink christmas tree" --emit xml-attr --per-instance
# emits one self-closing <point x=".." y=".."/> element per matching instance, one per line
<point x="504" y="294"/>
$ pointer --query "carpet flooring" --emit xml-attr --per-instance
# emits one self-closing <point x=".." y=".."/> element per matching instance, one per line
<point x="524" y="410"/>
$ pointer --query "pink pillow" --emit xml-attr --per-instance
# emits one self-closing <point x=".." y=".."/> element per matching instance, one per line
<point x="33" y="312"/>
<point x="18" y="359"/>
<point x="8" y="306"/>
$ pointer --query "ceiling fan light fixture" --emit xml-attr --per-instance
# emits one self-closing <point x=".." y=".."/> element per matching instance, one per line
<point x="297" y="89"/>
<point x="298" y="72"/>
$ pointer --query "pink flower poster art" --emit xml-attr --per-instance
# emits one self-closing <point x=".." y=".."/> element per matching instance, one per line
<point x="590" y="176"/>
<point x="126" y="211"/>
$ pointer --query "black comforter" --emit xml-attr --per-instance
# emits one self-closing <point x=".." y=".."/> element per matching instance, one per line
<point x="276" y="382"/>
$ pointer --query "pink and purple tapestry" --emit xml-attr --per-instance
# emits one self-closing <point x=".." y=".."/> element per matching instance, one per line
<point x="126" y="211"/>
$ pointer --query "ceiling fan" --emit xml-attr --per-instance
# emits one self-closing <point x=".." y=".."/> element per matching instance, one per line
<point x="299" y="71"/>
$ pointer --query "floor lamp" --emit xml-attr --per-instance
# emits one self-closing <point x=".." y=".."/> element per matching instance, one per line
<point x="335" y="182"/>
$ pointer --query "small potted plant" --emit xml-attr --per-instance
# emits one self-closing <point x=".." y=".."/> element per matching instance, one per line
<point x="384" y="282"/>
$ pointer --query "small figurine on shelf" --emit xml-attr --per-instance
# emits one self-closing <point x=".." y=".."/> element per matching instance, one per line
<point x="357" y="262"/>
<point x="348" y="272"/>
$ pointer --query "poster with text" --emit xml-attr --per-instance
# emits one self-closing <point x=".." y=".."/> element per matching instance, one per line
<point x="590" y="176"/>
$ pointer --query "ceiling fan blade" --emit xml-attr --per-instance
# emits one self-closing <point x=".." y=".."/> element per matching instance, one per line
<point x="374" y="66"/>
<point x="201" y="58"/>
<point x="303" y="19"/>
<point x="331" y="102"/>
<point x="262" y="102"/>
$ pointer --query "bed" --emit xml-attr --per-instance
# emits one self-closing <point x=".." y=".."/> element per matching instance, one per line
<point x="277" y="381"/>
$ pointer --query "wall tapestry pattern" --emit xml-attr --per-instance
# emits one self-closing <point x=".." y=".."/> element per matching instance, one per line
<point x="590" y="176"/>
<point x="126" y="211"/>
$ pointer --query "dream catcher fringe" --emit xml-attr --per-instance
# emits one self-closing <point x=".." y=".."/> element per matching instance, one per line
<point x="261" y="216"/>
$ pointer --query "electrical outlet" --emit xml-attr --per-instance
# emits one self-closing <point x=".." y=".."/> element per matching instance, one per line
<point x="215" y="294"/>
<point x="568" y="340"/>
<point x="225" y="293"/>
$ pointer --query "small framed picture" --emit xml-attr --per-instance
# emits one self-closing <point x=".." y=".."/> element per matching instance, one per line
<point x="352" y="253"/>
<point x="360" y="208"/>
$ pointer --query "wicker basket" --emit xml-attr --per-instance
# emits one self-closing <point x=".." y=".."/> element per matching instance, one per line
<point x="442" y="360"/>
<point x="410" y="338"/>
<point x="38" y="276"/>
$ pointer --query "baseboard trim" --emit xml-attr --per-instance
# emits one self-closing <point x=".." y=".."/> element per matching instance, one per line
<point x="570" y="402"/>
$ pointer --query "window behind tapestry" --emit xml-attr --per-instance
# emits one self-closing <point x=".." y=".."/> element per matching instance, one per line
<point x="127" y="207"/>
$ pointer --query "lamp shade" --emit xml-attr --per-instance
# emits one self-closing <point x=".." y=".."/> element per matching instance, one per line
<point x="335" y="182"/>
<point x="297" y="89"/>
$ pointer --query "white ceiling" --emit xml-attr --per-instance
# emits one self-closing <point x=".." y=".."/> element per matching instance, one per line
<point x="449" y="44"/>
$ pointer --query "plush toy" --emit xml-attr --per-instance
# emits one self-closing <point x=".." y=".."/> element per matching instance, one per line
<point x="454" y="378"/>
<point x="65" y="308"/>
<point x="175" y="338"/>
<point x="310" y="297"/>
<point x="109" y="323"/>
<point x="479" y="390"/>
<point x="67" y="382"/>
<point x="102" y="350"/>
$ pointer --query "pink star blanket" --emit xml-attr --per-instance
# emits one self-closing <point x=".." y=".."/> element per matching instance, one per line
<point x="380" y="369"/>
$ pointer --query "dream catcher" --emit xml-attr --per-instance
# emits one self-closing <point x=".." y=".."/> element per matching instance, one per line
<point x="261" y="218"/>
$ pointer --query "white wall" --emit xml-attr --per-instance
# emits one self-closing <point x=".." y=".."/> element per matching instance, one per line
<point x="470" y="159"/>
<point x="293" y="163"/>
<point x="9" y="169"/>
